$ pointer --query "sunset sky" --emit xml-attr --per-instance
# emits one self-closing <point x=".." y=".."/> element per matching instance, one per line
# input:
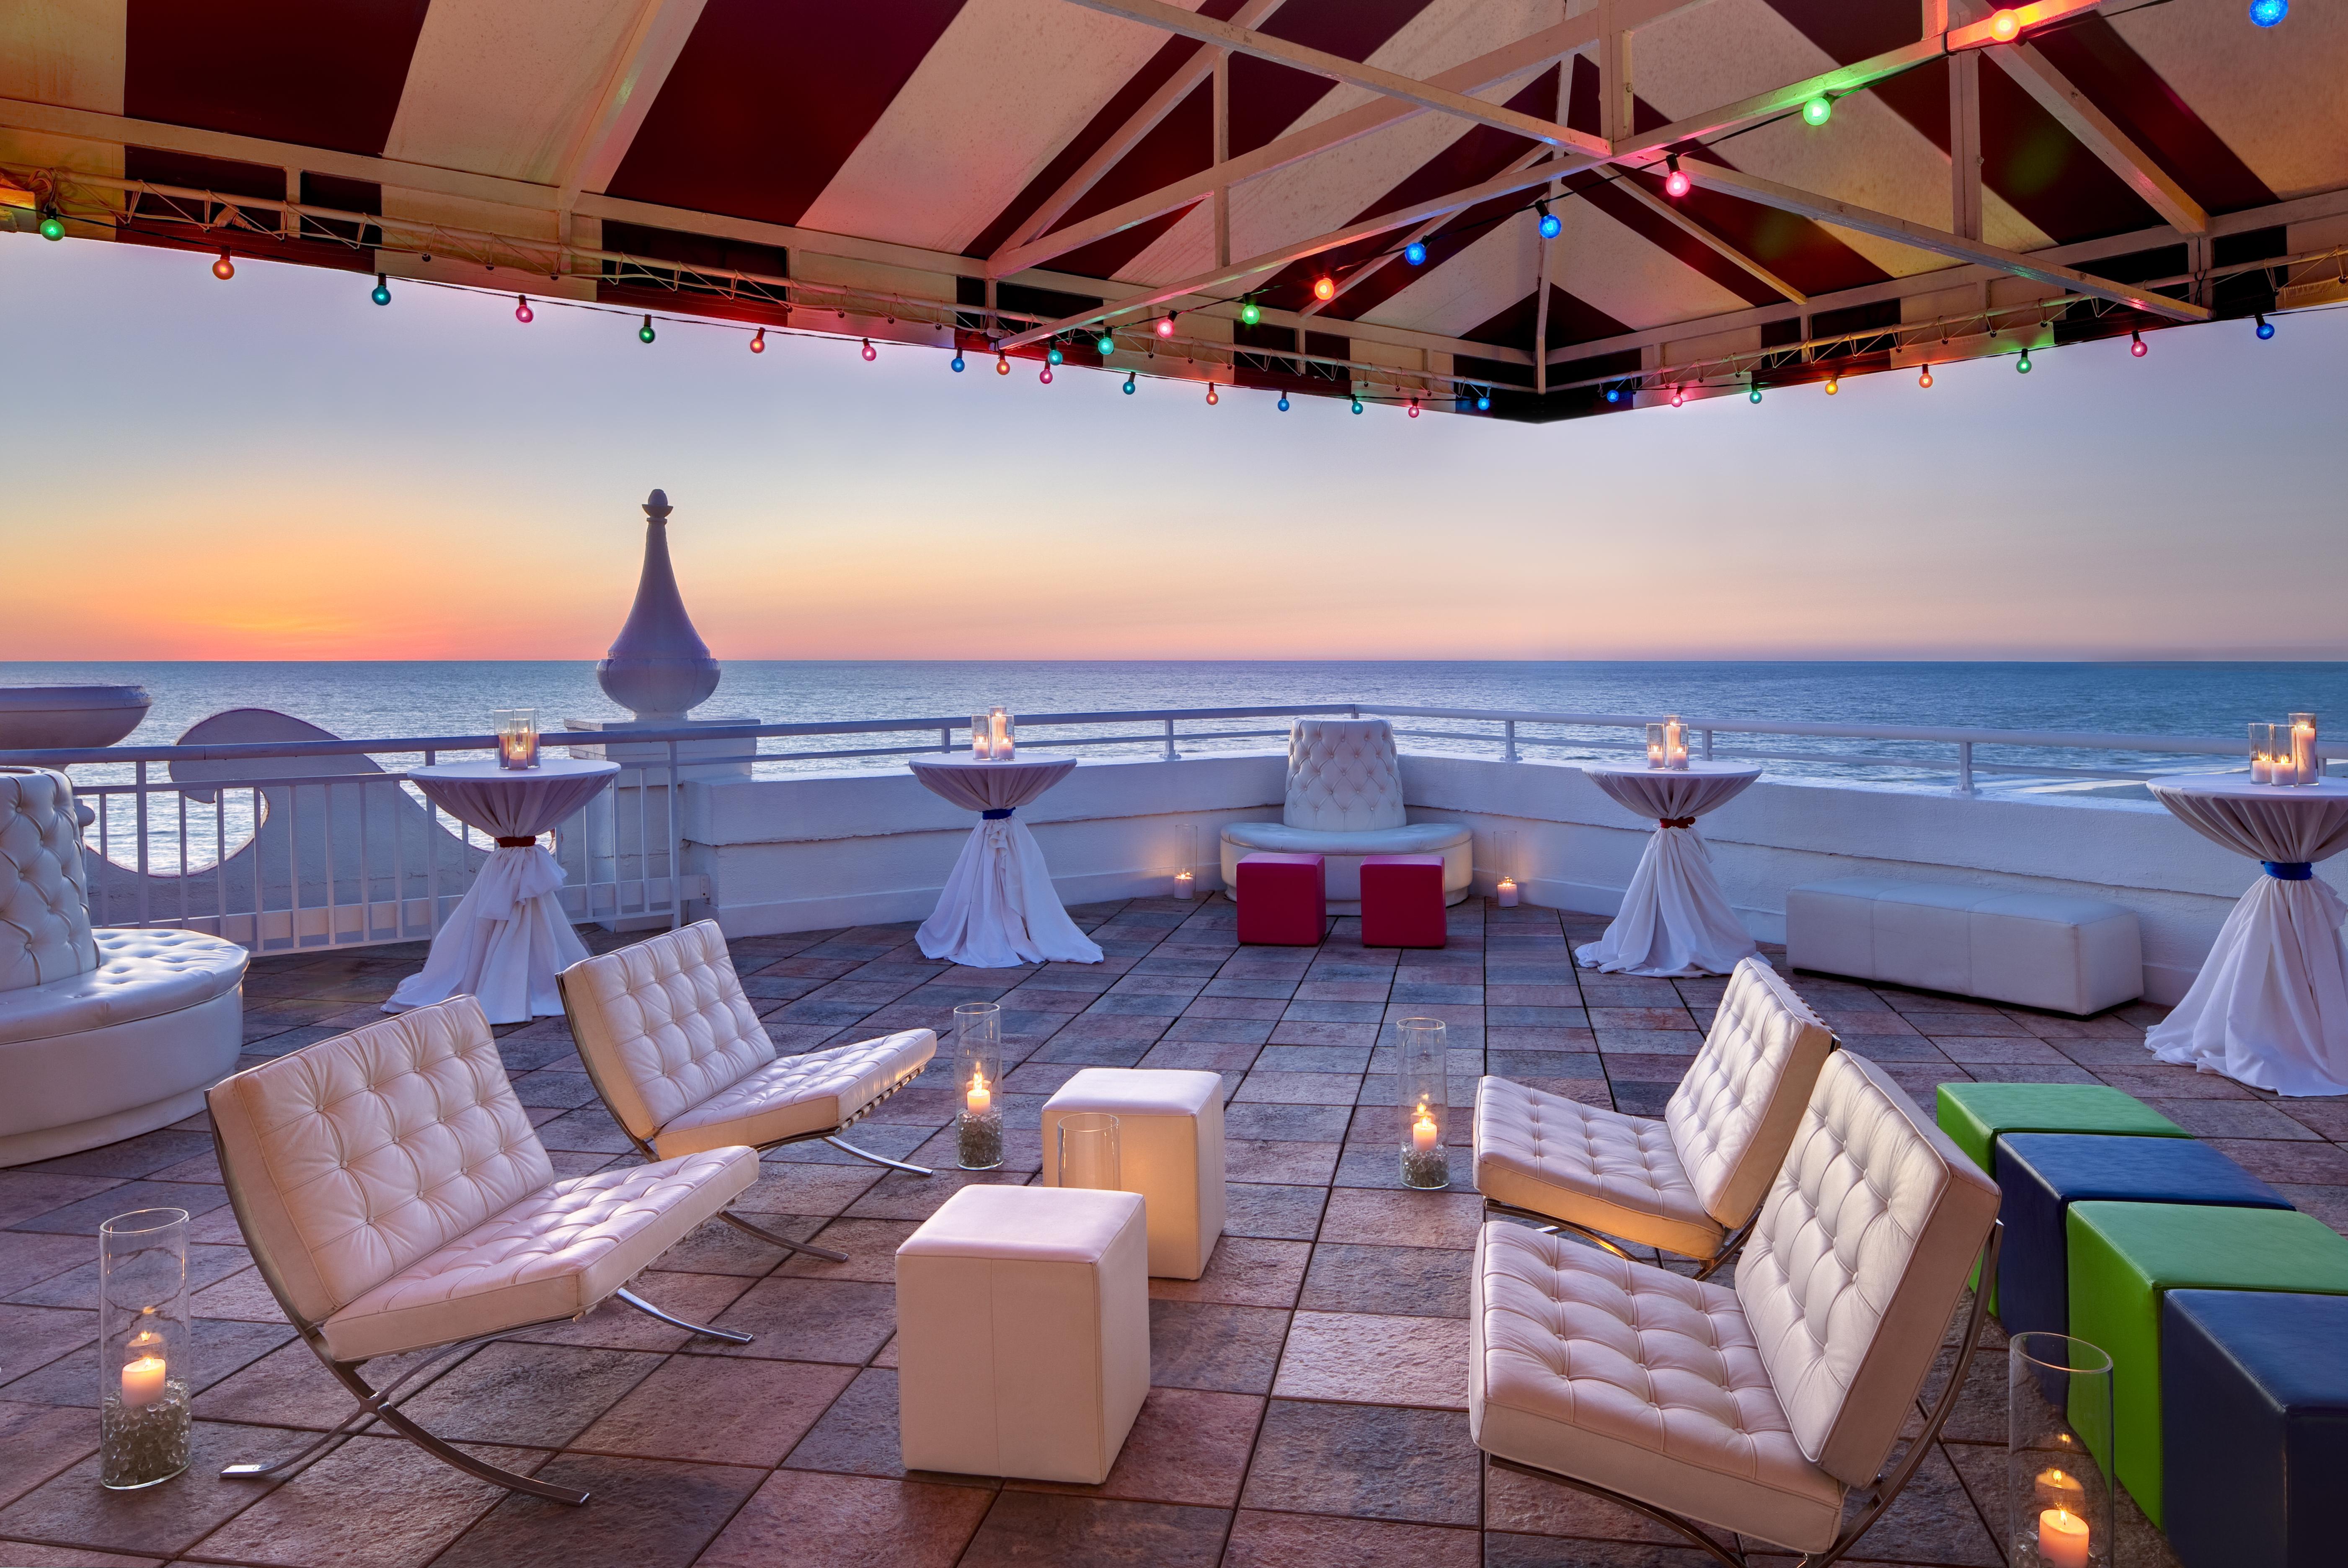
<point x="273" y="467"/>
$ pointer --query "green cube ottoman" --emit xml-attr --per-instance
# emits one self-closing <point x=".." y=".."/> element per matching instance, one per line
<point x="1973" y="1114"/>
<point x="2123" y="1257"/>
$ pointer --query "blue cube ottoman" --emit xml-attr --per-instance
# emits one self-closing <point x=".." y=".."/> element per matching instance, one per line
<point x="2256" y="1472"/>
<point x="2041" y="1175"/>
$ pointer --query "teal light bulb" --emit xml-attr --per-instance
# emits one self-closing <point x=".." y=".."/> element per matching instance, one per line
<point x="381" y="293"/>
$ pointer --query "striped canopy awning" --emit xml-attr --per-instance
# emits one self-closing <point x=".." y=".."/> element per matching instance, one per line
<point x="1529" y="208"/>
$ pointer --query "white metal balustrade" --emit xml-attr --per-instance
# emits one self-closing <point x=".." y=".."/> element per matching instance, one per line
<point x="284" y="847"/>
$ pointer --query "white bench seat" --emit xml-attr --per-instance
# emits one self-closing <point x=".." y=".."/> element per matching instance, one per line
<point x="2046" y="951"/>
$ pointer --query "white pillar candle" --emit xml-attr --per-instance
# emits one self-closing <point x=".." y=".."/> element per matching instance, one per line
<point x="1423" y="1131"/>
<point x="994" y="718"/>
<point x="2302" y="751"/>
<point x="1508" y="892"/>
<point x="981" y="1098"/>
<point x="2262" y="771"/>
<point x="2062" y="1539"/>
<point x="1184" y="883"/>
<point x="142" y="1380"/>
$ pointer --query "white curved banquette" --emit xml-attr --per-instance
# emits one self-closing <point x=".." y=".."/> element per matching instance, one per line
<point x="1344" y="803"/>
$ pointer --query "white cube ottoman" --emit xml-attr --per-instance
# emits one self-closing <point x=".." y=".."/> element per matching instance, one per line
<point x="1169" y="1150"/>
<point x="1023" y="1333"/>
<point x="2044" y="950"/>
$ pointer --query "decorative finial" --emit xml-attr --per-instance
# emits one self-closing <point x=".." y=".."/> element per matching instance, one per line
<point x="659" y="669"/>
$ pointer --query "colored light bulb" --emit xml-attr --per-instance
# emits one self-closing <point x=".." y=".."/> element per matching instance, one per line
<point x="2005" y="26"/>
<point x="1129" y="383"/>
<point x="1046" y="376"/>
<point x="759" y="341"/>
<point x="955" y="365"/>
<point x="871" y="354"/>
<point x="2135" y="344"/>
<point x="1414" y="253"/>
<point x="1753" y="395"/>
<point x="1483" y="401"/>
<point x="1613" y="394"/>
<point x="1833" y="384"/>
<point x="1676" y="398"/>
<point x="1104" y="345"/>
<point x="52" y="226"/>
<point x="1283" y="403"/>
<point x="1818" y="110"/>
<point x="1925" y="380"/>
<point x="2267" y="13"/>
<point x="525" y="315"/>
<point x="644" y="333"/>
<point x="2266" y="327"/>
<point x="1211" y="398"/>
<point x="1675" y="183"/>
<point x="1002" y="364"/>
<point x="2022" y="365"/>
<point x="1166" y="326"/>
<point x="1054" y="356"/>
<point x="1549" y="226"/>
<point x="1324" y="288"/>
<point x="381" y="292"/>
<point x="1414" y="408"/>
<point x="224" y="269"/>
<point x="1250" y="313"/>
<point x="1357" y="406"/>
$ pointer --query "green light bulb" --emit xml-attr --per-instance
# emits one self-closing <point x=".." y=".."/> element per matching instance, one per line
<point x="1818" y="110"/>
<point x="53" y="227"/>
<point x="1250" y="313"/>
<point x="2022" y="365"/>
<point x="644" y="333"/>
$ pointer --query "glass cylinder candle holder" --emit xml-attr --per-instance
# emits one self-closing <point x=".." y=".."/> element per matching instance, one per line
<point x="1504" y="891"/>
<point x="982" y="737"/>
<point x="978" y="1085"/>
<point x="1186" y="876"/>
<point x="1654" y="746"/>
<point x="2059" y="1417"/>
<point x="1675" y="752"/>
<point x="2261" y="753"/>
<point x="1423" y="1082"/>
<point x="2279" y="768"/>
<point x="2305" y="765"/>
<point x="146" y="1352"/>
<point x="1003" y="732"/>
<point x="1088" y="1151"/>
<point x="517" y="737"/>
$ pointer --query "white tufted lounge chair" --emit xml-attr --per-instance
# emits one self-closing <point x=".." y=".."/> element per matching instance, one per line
<point x="682" y="1063"/>
<point x="1689" y="1184"/>
<point x="1344" y="803"/>
<point x="396" y="1199"/>
<point x="1763" y="1409"/>
<point x="104" y="1034"/>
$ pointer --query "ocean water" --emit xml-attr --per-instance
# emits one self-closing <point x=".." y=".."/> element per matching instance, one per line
<point x="402" y="699"/>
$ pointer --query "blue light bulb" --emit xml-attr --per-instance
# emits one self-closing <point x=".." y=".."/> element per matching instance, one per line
<point x="1283" y="403"/>
<point x="956" y="363"/>
<point x="1357" y="406"/>
<point x="2266" y="327"/>
<point x="1129" y="383"/>
<point x="2267" y="13"/>
<point x="1613" y="394"/>
<point x="1414" y="253"/>
<point x="1753" y="395"/>
<point x="1483" y="403"/>
<point x="1550" y="227"/>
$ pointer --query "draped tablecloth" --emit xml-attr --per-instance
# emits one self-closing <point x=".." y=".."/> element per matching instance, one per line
<point x="2269" y="1007"/>
<point x="999" y="907"/>
<point x="508" y="938"/>
<point x="1676" y="920"/>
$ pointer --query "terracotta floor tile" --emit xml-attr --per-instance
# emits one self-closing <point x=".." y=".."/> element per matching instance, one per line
<point x="1402" y="1218"/>
<point x="1258" y="1118"/>
<point x="1291" y="1540"/>
<point x="1026" y="1528"/>
<point x="641" y="1514"/>
<point x="1284" y="1161"/>
<point x="539" y="1396"/>
<point x="718" y="1410"/>
<point x="613" y="1326"/>
<point x="26" y="1259"/>
<point x="1188" y="1446"/>
<point x="795" y="1320"/>
<point x="1301" y="1088"/>
<point x="858" y="1436"/>
<point x="1205" y="1344"/>
<point x="1517" y="1502"/>
<point x="38" y="1440"/>
<point x="223" y="1347"/>
<point x="374" y="1502"/>
<point x="897" y="1196"/>
<point x="72" y="1509"/>
<point x="1393" y="1281"/>
<point x="82" y="1217"/>
<point x="33" y="1336"/>
<point x="243" y="1294"/>
<point x="871" y="1244"/>
<point x="1375" y="1360"/>
<point x="1277" y="1212"/>
<point x="787" y="1189"/>
<point x="1244" y="1271"/>
<point x="806" y="1519"/>
<point x="1366" y="1462"/>
<point x="289" y="1387"/>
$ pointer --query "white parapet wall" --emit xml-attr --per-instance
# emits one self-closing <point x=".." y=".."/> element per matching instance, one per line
<point x="845" y="849"/>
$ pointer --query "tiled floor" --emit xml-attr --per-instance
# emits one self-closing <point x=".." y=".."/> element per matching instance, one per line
<point x="1309" y="1396"/>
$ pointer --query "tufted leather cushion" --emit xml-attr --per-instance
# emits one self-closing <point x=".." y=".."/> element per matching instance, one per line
<point x="1733" y="1115"/>
<point x="140" y="974"/>
<point x="1859" y="1255"/>
<point x="793" y="1095"/>
<point x="45" y="933"/>
<point x="1637" y="1379"/>
<point x="1615" y="1173"/>
<point x="555" y="1254"/>
<point x="355" y="1159"/>
<point x="1344" y="777"/>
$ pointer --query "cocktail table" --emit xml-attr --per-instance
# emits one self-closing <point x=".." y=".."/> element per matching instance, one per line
<point x="999" y="907"/>
<point x="1676" y="920"/>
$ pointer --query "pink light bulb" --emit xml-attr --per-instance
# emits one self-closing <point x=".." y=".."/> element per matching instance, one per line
<point x="2135" y="344"/>
<point x="1676" y="183"/>
<point x="1413" y="409"/>
<point x="871" y="354"/>
<point x="522" y="312"/>
<point x="1166" y="326"/>
<point x="1046" y="377"/>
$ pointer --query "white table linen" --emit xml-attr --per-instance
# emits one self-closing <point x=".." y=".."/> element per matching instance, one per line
<point x="999" y="907"/>
<point x="508" y="938"/>
<point x="1676" y="920"/>
<point x="2270" y="1008"/>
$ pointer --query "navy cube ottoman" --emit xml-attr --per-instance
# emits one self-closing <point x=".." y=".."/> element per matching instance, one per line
<point x="2255" y="1439"/>
<point x="2041" y="1175"/>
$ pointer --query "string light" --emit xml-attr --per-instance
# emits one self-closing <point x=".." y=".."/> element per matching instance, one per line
<point x="759" y="341"/>
<point x="1676" y="398"/>
<point x="224" y="269"/>
<point x="1675" y="183"/>
<point x="1055" y="356"/>
<point x="1324" y="287"/>
<point x="2135" y="344"/>
<point x="381" y="293"/>
<point x="1249" y="311"/>
<point x="1613" y="394"/>
<point x="871" y="354"/>
<point x="1046" y="376"/>
<point x="1752" y="393"/>
<point x="1002" y="363"/>
<point x="2005" y="26"/>
<point x="1833" y="384"/>
<point x="1925" y="380"/>
<point x="525" y="315"/>
<point x="1549" y="226"/>
<point x="1104" y="345"/>
<point x="2266" y="327"/>
<point x="1414" y="408"/>
<point x="955" y="364"/>
<point x="1283" y="403"/>
<point x="1129" y="383"/>
<point x="1211" y="398"/>
<point x="644" y="333"/>
<point x="2022" y="365"/>
<point x="1818" y="110"/>
<point x="1414" y="253"/>
<point x="1357" y="406"/>
<point x="1483" y="403"/>
<point x="1166" y="323"/>
<point x="52" y="226"/>
<point x="2267" y="13"/>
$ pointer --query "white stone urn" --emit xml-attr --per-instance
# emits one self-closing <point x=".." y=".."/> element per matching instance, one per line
<point x="39" y="717"/>
<point x="659" y="669"/>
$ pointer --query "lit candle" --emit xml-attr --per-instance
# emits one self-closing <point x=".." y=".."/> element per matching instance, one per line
<point x="981" y="1098"/>
<point x="982" y="738"/>
<point x="143" y="1374"/>
<point x="1654" y="746"/>
<point x="1508" y="892"/>
<point x="2262" y="771"/>
<point x="2059" y="1488"/>
<point x="1183" y="883"/>
<point x="2305" y="766"/>
<point x="1674" y="742"/>
<point x="2062" y="1539"/>
<point x="1422" y="1130"/>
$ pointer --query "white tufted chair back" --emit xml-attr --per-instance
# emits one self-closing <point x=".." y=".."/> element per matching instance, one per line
<point x="1857" y="1261"/>
<point x="1343" y="776"/>
<point x="1733" y="1115"/>
<point x="44" y="891"/>
<point x="663" y="1025"/>
<point x="353" y="1158"/>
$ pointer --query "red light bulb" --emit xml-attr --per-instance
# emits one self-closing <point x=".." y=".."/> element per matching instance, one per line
<point x="1925" y="380"/>
<point x="759" y="341"/>
<point x="1414" y="408"/>
<point x="1212" y="397"/>
<point x="1166" y="326"/>
<point x="1324" y="288"/>
<point x="1677" y="397"/>
<point x="522" y="312"/>
<point x="2135" y="344"/>
<point x="1676" y="183"/>
<point x="1002" y="365"/>
<point x="223" y="268"/>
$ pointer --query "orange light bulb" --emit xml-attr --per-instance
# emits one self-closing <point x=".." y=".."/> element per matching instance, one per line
<point x="2005" y="26"/>
<point x="223" y="268"/>
<point x="1324" y="288"/>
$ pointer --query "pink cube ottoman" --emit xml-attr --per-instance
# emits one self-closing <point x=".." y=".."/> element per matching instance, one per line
<point x="1402" y="901"/>
<point x="1281" y="899"/>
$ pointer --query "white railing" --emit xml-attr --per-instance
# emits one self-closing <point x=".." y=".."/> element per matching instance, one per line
<point x="284" y="847"/>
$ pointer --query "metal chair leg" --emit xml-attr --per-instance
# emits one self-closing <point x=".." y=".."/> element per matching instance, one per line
<point x="448" y="1454"/>
<point x="843" y="1143"/>
<point x="630" y="1298"/>
<point x="771" y="1239"/>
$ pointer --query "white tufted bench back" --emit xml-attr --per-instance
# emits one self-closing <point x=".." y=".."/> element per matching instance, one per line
<point x="44" y="931"/>
<point x="1859" y="1258"/>
<point x="1343" y="776"/>
<point x="663" y="1025"/>
<point x="1733" y="1114"/>
<point x="359" y="1155"/>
